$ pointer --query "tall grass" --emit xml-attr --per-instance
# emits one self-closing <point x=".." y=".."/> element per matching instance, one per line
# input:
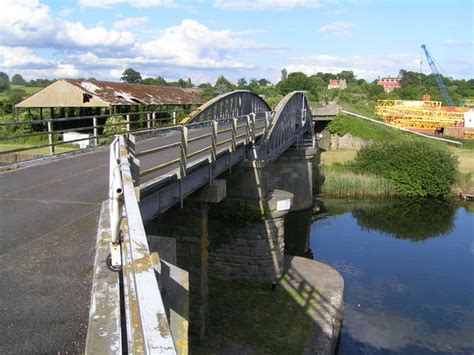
<point x="338" y="181"/>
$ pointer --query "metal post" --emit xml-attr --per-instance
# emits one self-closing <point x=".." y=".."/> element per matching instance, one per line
<point x="252" y="126"/>
<point x="153" y="115"/>
<point x="247" y="129"/>
<point x="128" y="122"/>
<point x="234" y="133"/>
<point x="174" y="117"/>
<point x="96" y="131"/>
<point x="184" y="151"/>
<point x="148" y="120"/>
<point x="214" y="141"/>
<point x="50" y="137"/>
<point x="267" y="121"/>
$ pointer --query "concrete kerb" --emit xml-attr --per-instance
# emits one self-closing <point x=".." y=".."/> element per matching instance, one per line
<point x="320" y="290"/>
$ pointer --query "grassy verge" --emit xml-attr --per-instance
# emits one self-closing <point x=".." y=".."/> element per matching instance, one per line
<point x="41" y="151"/>
<point x="248" y="317"/>
<point x="338" y="180"/>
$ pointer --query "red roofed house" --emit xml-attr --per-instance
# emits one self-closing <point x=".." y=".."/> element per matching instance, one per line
<point x="389" y="84"/>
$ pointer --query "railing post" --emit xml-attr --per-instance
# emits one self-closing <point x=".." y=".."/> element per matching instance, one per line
<point x="184" y="151"/>
<point x="174" y="117"/>
<point x="252" y="126"/>
<point x="50" y="137"/>
<point x="234" y="134"/>
<point x="153" y="115"/>
<point x="267" y="121"/>
<point x="96" y="131"/>
<point x="148" y="120"/>
<point x="247" y="129"/>
<point x="128" y="122"/>
<point x="214" y="141"/>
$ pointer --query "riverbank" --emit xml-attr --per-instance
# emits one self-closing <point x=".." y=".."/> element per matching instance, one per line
<point x="303" y="314"/>
<point x="339" y="173"/>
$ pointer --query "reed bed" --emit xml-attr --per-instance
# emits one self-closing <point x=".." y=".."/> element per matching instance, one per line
<point x="340" y="182"/>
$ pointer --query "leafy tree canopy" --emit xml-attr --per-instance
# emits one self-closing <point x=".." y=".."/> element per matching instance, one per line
<point x="131" y="76"/>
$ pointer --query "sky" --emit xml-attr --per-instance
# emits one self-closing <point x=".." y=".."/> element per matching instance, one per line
<point x="251" y="39"/>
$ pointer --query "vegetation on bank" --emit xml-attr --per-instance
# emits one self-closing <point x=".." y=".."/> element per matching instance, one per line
<point x="412" y="165"/>
<point x="251" y="318"/>
<point x="339" y="180"/>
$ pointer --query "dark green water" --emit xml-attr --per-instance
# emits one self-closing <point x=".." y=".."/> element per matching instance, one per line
<point x="408" y="271"/>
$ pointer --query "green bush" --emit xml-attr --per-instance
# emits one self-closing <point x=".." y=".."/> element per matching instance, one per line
<point x="338" y="126"/>
<point x="115" y="125"/>
<point x="416" y="168"/>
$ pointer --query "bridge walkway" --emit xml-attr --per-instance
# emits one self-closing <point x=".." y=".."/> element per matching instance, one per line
<point x="48" y="224"/>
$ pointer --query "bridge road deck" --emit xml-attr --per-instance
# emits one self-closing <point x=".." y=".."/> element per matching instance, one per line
<point x="48" y="224"/>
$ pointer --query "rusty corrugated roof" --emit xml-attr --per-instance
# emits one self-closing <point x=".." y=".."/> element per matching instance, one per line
<point x="133" y="94"/>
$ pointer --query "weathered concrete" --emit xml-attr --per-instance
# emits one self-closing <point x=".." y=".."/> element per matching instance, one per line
<point x="293" y="172"/>
<point x="347" y="141"/>
<point x="319" y="288"/>
<point x="164" y="246"/>
<point x="174" y="287"/>
<point x="252" y="253"/>
<point x="189" y="228"/>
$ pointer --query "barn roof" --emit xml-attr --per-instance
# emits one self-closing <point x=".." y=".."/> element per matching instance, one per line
<point x="102" y="93"/>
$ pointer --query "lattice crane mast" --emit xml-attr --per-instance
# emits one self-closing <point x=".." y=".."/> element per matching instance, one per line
<point x="434" y="69"/>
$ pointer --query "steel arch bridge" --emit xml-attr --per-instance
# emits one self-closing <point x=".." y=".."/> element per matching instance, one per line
<point x="220" y="134"/>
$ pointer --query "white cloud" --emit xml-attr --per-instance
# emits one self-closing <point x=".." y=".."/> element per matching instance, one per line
<point x="18" y="57"/>
<point x="337" y="29"/>
<point x="29" y="23"/>
<point x="453" y="42"/>
<point x="195" y="45"/>
<point x="130" y="22"/>
<point x="368" y="67"/>
<point x="133" y="3"/>
<point x="266" y="4"/>
<point x="66" y="12"/>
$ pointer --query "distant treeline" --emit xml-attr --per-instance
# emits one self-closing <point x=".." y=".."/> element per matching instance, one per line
<point x="413" y="86"/>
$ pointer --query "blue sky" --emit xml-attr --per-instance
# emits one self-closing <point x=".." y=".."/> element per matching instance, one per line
<point x="251" y="39"/>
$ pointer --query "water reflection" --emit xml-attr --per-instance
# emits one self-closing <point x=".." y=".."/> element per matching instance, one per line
<point x="404" y="218"/>
<point x="401" y="296"/>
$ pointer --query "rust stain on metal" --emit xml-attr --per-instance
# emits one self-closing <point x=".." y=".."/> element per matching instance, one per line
<point x="163" y="325"/>
<point x="133" y="94"/>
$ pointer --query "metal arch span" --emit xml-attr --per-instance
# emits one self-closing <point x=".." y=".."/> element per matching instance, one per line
<point x="232" y="104"/>
<point x="291" y="120"/>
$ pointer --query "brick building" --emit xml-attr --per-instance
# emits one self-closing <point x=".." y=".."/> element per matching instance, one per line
<point x="389" y="84"/>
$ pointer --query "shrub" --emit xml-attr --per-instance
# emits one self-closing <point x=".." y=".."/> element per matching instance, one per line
<point x="338" y="126"/>
<point x="416" y="168"/>
<point x="115" y="125"/>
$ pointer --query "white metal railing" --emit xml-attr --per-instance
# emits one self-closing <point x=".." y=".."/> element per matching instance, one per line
<point x="147" y="329"/>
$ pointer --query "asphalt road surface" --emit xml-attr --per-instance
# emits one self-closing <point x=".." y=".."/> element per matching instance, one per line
<point x="48" y="223"/>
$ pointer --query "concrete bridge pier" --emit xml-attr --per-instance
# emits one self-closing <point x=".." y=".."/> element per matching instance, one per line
<point x="247" y="230"/>
<point x="189" y="227"/>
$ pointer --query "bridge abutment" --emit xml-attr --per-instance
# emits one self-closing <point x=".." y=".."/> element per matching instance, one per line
<point x="188" y="226"/>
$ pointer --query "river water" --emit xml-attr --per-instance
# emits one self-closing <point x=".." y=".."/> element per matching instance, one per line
<point x="408" y="271"/>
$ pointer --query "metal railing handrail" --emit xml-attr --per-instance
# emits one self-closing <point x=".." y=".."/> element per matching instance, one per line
<point x="92" y="139"/>
<point x="146" y="329"/>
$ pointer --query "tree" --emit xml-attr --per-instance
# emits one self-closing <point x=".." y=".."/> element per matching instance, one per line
<point x="284" y="74"/>
<point x="242" y="83"/>
<point x="4" y="82"/>
<point x="348" y="75"/>
<point x="131" y="76"/>
<point x="13" y="97"/>
<point x="263" y="82"/>
<point x="17" y="79"/>
<point x="295" y="81"/>
<point x="223" y="85"/>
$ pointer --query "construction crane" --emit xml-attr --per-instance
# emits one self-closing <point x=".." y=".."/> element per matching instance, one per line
<point x="437" y="75"/>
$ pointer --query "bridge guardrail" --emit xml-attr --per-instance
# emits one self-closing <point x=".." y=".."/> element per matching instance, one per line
<point x="44" y="132"/>
<point x="147" y="329"/>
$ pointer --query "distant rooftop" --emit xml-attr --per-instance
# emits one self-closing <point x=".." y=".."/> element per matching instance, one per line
<point x="86" y="93"/>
